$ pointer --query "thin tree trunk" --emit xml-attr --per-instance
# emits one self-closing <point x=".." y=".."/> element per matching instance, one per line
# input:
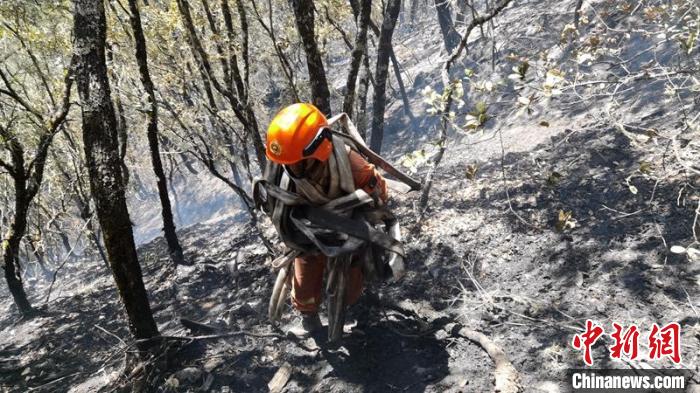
<point x="27" y="182"/>
<point x="11" y="250"/>
<point x="382" y="71"/>
<point x="304" y="16"/>
<point x="24" y="193"/>
<point x="361" y="119"/>
<point x="243" y="111"/>
<point x="449" y="89"/>
<point x="449" y="34"/>
<point x="98" y="244"/>
<point x="166" y="209"/>
<point x="102" y="155"/>
<point x="357" y="53"/>
<point x="123" y="134"/>
<point x="397" y="73"/>
<point x="38" y="253"/>
<point x="173" y="190"/>
<point x="402" y="88"/>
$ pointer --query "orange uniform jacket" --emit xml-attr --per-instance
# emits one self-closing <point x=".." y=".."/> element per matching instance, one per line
<point x="308" y="269"/>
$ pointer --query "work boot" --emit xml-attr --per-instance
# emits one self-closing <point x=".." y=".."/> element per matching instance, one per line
<point x="310" y="325"/>
<point x="311" y="322"/>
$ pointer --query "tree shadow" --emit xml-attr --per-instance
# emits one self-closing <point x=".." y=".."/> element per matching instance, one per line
<point x="625" y="220"/>
<point x="615" y="263"/>
<point x="379" y="359"/>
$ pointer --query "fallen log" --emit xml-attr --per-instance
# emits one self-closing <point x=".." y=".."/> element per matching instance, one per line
<point x="506" y="377"/>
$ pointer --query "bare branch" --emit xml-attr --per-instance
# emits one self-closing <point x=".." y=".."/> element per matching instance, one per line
<point x="10" y="92"/>
<point x="474" y="23"/>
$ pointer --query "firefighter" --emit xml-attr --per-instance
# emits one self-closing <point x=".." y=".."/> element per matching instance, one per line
<point x="298" y="139"/>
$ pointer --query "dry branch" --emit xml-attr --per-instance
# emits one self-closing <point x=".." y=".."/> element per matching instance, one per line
<point x="448" y="86"/>
<point x="507" y="379"/>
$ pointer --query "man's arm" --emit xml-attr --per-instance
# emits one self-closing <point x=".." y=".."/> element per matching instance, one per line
<point x="366" y="177"/>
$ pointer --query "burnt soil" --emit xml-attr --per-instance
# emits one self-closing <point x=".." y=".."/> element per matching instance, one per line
<point x="471" y="260"/>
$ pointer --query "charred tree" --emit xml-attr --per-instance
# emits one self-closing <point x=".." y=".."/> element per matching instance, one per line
<point x="171" y="239"/>
<point x="82" y="200"/>
<point x="361" y="118"/>
<point x="402" y="88"/>
<point x="397" y="73"/>
<point x="102" y="155"/>
<point x="27" y="178"/>
<point x="449" y="34"/>
<point x="304" y="17"/>
<point x="358" y="52"/>
<point x="381" y="73"/>
<point x="11" y="245"/>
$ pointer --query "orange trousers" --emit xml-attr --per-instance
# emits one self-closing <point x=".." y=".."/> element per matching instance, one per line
<point x="308" y="283"/>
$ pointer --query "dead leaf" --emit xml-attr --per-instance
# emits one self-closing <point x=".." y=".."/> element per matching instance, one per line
<point x="471" y="171"/>
<point x="565" y="221"/>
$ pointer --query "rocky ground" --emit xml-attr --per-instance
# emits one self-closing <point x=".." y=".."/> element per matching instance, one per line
<point x="536" y="223"/>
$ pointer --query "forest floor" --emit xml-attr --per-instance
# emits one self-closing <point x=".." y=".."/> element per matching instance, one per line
<point x="528" y="287"/>
<point x="485" y="254"/>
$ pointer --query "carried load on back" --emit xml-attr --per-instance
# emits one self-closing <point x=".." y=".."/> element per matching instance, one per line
<point x="327" y="201"/>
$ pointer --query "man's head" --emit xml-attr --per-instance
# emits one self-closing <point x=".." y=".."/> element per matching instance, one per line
<point x="297" y="137"/>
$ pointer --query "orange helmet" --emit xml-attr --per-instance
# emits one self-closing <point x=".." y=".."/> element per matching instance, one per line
<point x="296" y="133"/>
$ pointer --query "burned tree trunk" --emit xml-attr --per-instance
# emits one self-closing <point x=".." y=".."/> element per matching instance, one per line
<point x="449" y="34"/>
<point x="384" y="49"/>
<point x="11" y="246"/>
<point x="397" y="74"/>
<point x="357" y="54"/>
<point x="102" y="155"/>
<point x="402" y="88"/>
<point x="361" y="118"/>
<point x="27" y="180"/>
<point x="304" y="16"/>
<point x="152" y="133"/>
